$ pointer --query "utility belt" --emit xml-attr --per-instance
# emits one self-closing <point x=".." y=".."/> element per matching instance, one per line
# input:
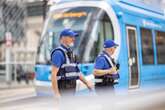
<point x="69" y="76"/>
<point x="113" y="76"/>
<point x="106" y="79"/>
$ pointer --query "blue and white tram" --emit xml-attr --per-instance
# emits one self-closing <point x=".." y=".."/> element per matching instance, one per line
<point x="138" y="29"/>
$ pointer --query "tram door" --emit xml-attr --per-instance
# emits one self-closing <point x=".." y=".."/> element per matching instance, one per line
<point x="132" y="57"/>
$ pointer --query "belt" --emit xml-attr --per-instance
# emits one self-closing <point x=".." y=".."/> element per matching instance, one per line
<point x="98" y="80"/>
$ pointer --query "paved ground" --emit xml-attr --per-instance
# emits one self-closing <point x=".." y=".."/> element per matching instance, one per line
<point x="15" y="91"/>
<point x="24" y="98"/>
<point x="4" y="85"/>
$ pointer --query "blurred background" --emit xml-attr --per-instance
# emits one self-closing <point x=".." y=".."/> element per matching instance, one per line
<point x="20" y="29"/>
<point x="21" y="23"/>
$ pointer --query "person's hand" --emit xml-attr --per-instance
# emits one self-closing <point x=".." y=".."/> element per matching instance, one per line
<point x="90" y="85"/>
<point x="113" y="70"/>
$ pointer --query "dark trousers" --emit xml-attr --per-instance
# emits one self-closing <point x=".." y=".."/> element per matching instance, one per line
<point x="106" y="87"/>
<point x="67" y="87"/>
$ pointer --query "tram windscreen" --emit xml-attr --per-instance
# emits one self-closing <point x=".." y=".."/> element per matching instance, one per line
<point x="92" y="24"/>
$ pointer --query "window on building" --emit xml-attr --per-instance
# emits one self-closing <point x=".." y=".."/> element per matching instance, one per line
<point x="160" y="44"/>
<point x="147" y="46"/>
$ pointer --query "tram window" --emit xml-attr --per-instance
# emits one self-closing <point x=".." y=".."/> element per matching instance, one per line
<point x="147" y="46"/>
<point x="103" y="31"/>
<point x="92" y="24"/>
<point x="160" y="43"/>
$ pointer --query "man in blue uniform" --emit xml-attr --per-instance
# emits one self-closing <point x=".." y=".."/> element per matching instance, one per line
<point x="65" y="71"/>
<point x="105" y="70"/>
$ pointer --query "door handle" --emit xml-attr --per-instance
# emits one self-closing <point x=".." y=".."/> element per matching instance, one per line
<point x="130" y="61"/>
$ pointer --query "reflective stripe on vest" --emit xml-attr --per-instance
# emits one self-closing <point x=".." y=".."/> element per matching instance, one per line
<point x="67" y="65"/>
<point x="98" y="80"/>
<point x="72" y="74"/>
<point x="58" y="77"/>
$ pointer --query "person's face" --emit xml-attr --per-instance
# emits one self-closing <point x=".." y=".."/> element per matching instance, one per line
<point x="70" y="41"/>
<point x="111" y="50"/>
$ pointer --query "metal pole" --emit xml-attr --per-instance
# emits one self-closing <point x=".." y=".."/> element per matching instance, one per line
<point x="44" y="8"/>
<point x="8" y="38"/>
<point x="8" y="66"/>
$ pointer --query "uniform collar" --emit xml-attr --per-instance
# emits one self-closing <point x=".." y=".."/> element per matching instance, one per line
<point x="66" y="48"/>
<point x="104" y="52"/>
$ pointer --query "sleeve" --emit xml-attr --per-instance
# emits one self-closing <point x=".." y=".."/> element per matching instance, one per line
<point x="57" y="58"/>
<point x="100" y="63"/>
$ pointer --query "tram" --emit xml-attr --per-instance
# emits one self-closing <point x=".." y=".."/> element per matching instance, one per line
<point x="136" y="27"/>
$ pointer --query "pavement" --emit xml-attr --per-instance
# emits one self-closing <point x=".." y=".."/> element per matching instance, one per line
<point x="5" y="85"/>
<point x="138" y="101"/>
<point x="20" y="96"/>
<point x="15" y="91"/>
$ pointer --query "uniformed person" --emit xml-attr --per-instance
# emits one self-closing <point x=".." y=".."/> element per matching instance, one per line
<point x="65" y="71"/>
<point x="105" y="70"/>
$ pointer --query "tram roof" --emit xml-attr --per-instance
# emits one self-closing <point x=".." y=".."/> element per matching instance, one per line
<point x="132" y="5"/>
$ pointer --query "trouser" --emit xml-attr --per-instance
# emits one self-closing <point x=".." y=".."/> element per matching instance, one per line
<point x="104" y="90"/>
<point x="106" y="87"/>
<point x="67" y="87"/>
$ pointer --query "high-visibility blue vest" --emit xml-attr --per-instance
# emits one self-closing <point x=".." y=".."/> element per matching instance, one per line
<point x="68" y="72"/>
<point x="108" y="78"/>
